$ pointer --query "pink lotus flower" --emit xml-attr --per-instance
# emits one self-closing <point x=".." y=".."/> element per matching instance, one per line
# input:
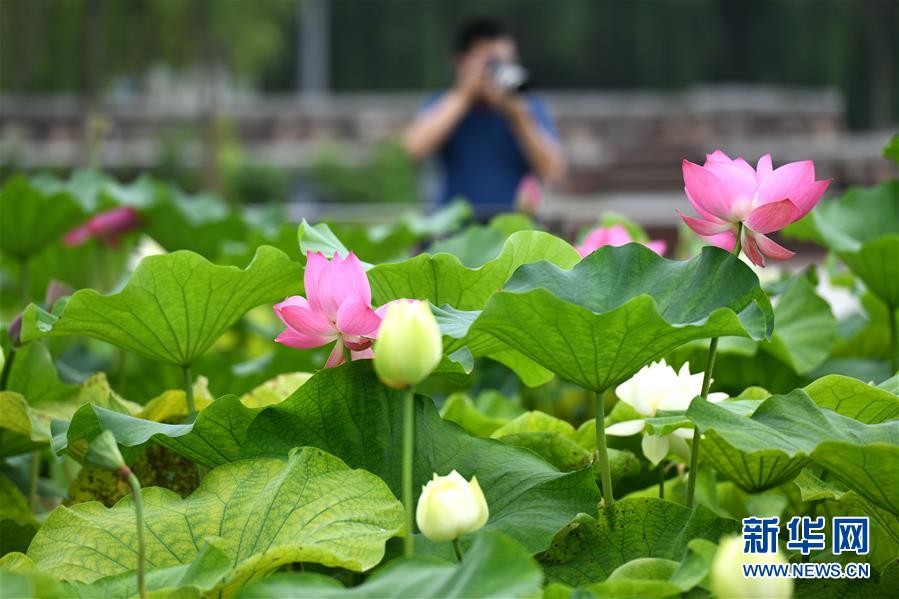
<point x="528" y="194"/>
<point x="615" y="235"/>
<point x="728" y="192"/>
<point x="107" y="226"/>
<point x="337" y="307"/>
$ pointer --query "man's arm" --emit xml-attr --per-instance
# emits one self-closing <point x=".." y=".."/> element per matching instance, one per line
<point x="541" y="150"/>
<point x="427" y="132"/>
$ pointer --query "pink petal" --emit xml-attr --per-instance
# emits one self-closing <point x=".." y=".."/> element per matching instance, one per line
<point x="618" y="236"/>
<point x="77" y="236"/>
<point x="291" y="338"/>
<point x="717" y="156"/>
<point x="355" y="317"/>
<point x="808" y="196"/>
<point x="316" y="267"/>
<point x="365" y="354"/>
<point x="751" y="249"/>
<point x="352" y="280"/>
<point x="772" y="217"/>
<point x="658" y="246"/>
<point x="764" y="167"/>
<point x="786" y="182"/>
<point x="707" y="190"/>
<point x="725" y="241"/>
<point x="771" y="249"/>
<point x="699" y="210"/>
<point x="704" y="227"/>
<point x="306" y="321"/>
<point x="336" y="357"/>
<point x="738" y="177"/>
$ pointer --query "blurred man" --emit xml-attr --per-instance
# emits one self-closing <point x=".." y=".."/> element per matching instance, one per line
<point x="488" y="135"/>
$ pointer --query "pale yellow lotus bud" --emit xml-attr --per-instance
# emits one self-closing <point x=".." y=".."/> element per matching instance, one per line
<point x="409" y="344"/>
<point x="728" y="582"/>
<point x="450" y="506"/>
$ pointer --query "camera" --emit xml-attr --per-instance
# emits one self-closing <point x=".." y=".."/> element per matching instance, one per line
<point x="508" y="76"/>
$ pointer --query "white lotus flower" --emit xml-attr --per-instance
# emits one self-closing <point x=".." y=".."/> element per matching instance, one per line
<point x="659" y="387"/>
<point x="450" y="506"/>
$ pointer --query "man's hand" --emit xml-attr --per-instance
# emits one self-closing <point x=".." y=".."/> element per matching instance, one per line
<point x="471" y="77"/>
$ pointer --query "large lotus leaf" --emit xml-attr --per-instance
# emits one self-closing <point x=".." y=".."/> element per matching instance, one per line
<point x="33" y="374"/>
<point x="266" y="513"/>
<point x="211" y="440"/>
<point x="347" y="412"/>
<point x="773" y="445"/>
<point x="443" y="279"/>
<point x="855" y="399"/>
<point x="806" y="328"/>
<point x="31" y="219"/>
<point x="494" y="566"/>
<point x="557" y="442"/>
<point x="621" y="307"/>
<point x="457" y="335"/>
<point x="21" y="428"/>
<point x="17" y="524"/>
<point x="885" y="533"/>
<point x="588" y="550"/>
<point x="862" y="227"/>
<point x="173" y="307"/>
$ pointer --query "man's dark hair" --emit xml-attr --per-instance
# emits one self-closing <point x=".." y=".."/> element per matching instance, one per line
<point x="476" y="30"/>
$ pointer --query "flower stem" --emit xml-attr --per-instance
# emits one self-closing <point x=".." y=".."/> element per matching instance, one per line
<point x="602" y="451"/>
<point x="139" y="515"/>
<point x="706" y="383"/>
<point x="661" y="480"/>
<point x="35" y="477"/>
<point x="189" y="392"/>
<point x="697" y="434"/>
<point x="408" y="447"/>
<point x="458" y="548"/>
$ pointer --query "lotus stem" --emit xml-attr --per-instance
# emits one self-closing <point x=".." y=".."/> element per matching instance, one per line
<point x="35" y="477"/>
<point x="706" y="383"/>
<point x="661" y="480"/>
<point x="189" y="392"/>
<point x="458" y="549"/>
<point x="602" y="451"/>
<point x="408" y="447"/>
<point x="697" y="434"/>
<point x="139" y="515"/>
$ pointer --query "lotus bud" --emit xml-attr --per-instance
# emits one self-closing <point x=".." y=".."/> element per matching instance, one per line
<point x="103" y="452"/>
<point x="409" y="345"/>
<point x="727" y="580"/>
<point x="450" y="506"/>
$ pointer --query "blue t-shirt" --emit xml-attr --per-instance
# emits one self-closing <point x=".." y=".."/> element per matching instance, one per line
<point x="482" y="161"/>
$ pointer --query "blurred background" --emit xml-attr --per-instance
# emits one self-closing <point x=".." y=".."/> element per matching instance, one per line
<point x="302" y="101"/>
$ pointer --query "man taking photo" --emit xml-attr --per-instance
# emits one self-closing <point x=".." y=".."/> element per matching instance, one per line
<point x="489" y="135"/>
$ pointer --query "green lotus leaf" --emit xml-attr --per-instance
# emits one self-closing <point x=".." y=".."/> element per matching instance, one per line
<point x="21" y="428"/>
<point x="596" y="327"/>
<point x="806" y="327"/>
<point x="173" y="307"/>
<point x="459" y="408"/>
<point x="17" y="524"/>
<point x="348" y="412"/>
<point x="494" y="566"/>
<point x="862" y="227"/>
<point x="443" y="279"/>
<point x="211" y="440"/>
<point x="589" y="551"/>
<point x="31" y="219"/>
<point x="855" y="399"/>
<point x="773" y="446"/>
<point x="33" y="375"/>
<point x="265" y="513"/>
